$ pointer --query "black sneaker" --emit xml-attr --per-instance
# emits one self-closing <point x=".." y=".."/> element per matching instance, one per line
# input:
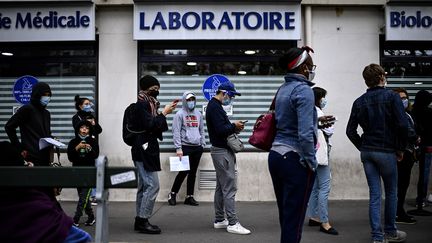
<point x="191" y="201"/>
<point x="172" y="198"/>
<point x="405" y="220"/>
<point x="90" y="221"/>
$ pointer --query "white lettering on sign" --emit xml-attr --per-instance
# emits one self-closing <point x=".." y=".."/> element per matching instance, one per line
<point x="34" y="23"/>
<point x="228" y="21"/>
<point x="123" y="177"/>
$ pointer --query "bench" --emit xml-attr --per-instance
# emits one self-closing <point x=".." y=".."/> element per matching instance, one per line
<point x="102" y="177"/>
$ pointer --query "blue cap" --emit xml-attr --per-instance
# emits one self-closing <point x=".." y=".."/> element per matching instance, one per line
<point x="229" y="88"/>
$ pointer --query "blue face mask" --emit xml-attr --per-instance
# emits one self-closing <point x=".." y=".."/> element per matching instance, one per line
<point x="227" y="100"/>
<point x="45" y="100"/>
<point x="323" y="103"/>
<point x="87" y="108"/>
<point x="191" y="105"/>
<point x="405" y="103"/>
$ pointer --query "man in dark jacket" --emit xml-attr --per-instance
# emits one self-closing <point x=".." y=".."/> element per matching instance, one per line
<point x="224" y="160"/>
<point x="34" y="121"/>
<point x="381" y="115"/>
<point x="145" y="151"/>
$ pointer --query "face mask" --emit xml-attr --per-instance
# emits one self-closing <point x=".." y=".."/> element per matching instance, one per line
<point x="191" y="105"/>
<point x="227" y="101"/>
<point x="311" y="75"/>
<point x="83" y="137"/>
<point x="45" y="100"/>
<point x="87" y="108"/>
<point x="323" y="103"/>
<point x="153" y="93"/>
<point x="405" y="103"/>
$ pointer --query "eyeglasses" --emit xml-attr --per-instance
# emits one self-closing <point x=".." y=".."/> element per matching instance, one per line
<point x="313" y="68"/>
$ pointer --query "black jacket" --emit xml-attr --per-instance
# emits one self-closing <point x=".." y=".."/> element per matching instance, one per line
<point x="422" y="116"/>
<point x="82" y="115"/>
<point x="146" y="148"/>
<point x="34" y="123"/>
<point x="86" y="157"/>
<point x="218" y="125"/>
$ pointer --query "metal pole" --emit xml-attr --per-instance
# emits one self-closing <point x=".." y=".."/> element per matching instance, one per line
<point x="102" y="230"/>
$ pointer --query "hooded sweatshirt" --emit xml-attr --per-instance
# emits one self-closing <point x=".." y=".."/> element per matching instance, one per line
<point x="34" y="123"/>
<point x="188" y="126"/>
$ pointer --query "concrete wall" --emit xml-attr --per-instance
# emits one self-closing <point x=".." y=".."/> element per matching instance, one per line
<point x="345" y="40"/>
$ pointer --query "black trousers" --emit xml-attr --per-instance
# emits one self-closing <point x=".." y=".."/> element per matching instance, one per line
<point x="292" y="183"/>
<point x="194" y="153"/>
<point x="83" y="204"/>
<point x="404" y="175"/>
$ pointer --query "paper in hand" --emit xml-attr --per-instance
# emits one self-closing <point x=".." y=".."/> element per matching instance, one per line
<point x="45" y="142"/>
<point x="179" y="165"/>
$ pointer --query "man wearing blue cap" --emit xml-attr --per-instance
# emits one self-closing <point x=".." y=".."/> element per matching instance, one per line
<point x="219" y="128"/>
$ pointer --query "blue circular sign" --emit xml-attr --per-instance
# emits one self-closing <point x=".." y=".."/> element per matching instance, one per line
<point x="211" y="85"/>
<point x="22" y="89"/>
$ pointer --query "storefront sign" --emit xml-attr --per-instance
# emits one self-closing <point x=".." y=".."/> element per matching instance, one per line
<point x="409" y="23"/>
<point x="59" y="23"/>
<point x="270" y="22"/>
<point x="23" y="87"/>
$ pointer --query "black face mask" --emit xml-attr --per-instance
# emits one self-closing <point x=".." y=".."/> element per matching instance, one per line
<point x="153" y="93"/>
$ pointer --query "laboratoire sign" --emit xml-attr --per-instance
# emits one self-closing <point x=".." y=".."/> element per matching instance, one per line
<point x="53" y="23"/>
<point x="222" y="22"/>
<point x="409" y="23"/>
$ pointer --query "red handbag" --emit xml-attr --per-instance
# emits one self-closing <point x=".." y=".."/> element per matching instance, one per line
<point x="264" y="131"/>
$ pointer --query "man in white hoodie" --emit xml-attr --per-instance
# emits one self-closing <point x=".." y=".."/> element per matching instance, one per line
<point x="189" y="139"/>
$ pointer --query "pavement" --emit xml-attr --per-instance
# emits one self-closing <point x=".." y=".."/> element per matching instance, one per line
<point x="190" y="224"/>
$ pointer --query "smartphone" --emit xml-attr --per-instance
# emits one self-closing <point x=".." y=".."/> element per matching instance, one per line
<point x="176" y="101"/>
<point x="244" y="121"/>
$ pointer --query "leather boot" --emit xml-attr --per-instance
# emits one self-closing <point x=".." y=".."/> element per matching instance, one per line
<point x="142" y="225"/>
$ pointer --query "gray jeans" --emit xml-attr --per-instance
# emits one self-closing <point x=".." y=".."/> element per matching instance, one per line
<point x="224" y="161"/>
<point x="148" y="188"/>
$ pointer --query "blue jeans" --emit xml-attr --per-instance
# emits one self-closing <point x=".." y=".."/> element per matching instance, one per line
<point x="379" y="165"/>
<point x="148" y="188"/>
<point x="318" y="202"/>
<point x="292" y="183"/>
<point x="422" y="185"/>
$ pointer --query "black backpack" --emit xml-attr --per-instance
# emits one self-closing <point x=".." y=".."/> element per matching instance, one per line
<point x="131" y="125"/>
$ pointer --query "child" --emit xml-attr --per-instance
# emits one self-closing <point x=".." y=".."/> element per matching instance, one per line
<point x="82" y="151"/>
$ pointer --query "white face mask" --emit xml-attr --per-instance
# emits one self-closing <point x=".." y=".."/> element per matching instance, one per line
<point x="405" y="103"/>
<point x="323" y="103"/>
<point x="311" y="75"/>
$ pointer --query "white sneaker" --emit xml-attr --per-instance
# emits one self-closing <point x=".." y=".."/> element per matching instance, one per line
<point x="221" y="225"/>
<point x="238" y="229"/>
<point x="429" y="199"/>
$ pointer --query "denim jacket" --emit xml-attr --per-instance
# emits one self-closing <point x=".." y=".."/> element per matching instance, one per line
<point x="381" y="115"/>
<point x="296" y="118"/>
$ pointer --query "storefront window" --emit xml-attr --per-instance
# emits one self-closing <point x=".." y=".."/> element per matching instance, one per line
<point x="408" y="64"/>
<point x="70" y="68"/>
<point x="252" y="67"/>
